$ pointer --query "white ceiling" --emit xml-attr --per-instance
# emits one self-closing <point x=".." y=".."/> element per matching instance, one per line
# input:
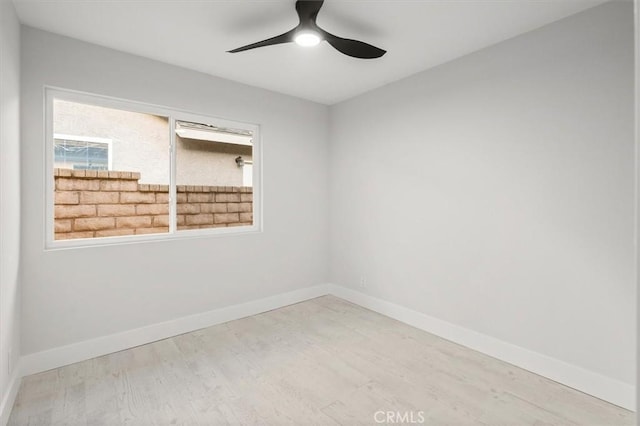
<point x="196" y="35"/>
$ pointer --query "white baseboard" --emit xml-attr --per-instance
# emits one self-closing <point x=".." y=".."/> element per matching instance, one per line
<point x="12" y="391"/>
<point x="81" y="351"/>
<point x="606" y="388"/>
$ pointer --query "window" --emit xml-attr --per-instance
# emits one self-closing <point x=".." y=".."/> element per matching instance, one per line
<point x="122" y="171"/>
<point x="81" y="153"/>
<point x="212" y="190"/>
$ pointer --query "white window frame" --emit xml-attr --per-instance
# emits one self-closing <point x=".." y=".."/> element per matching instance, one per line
<point x="50" y="243"/>
<point x="77" y="138"/>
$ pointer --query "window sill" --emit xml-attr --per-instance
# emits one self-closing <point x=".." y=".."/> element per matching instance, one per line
<point x="188" y="234"/>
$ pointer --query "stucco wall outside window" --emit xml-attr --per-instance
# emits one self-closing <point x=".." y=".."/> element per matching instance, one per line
<point x="140" y="143"/>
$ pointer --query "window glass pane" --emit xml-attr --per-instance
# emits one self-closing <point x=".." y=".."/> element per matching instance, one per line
<point x="81" y="155"/>
<point x="214" y="176"/>
<point x="111" y="171"/>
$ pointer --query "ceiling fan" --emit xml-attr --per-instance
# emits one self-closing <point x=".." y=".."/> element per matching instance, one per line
<point x="308" y="33"/>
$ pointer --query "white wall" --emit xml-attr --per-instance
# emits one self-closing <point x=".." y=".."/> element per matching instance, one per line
<point x="73" y="295"/>
<point x="496" y="192"/>
<point x="636" y="4"/>
<point x="9" y="196"/>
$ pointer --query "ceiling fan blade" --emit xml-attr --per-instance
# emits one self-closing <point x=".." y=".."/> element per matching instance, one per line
<point x="282" y="38"/>
<point x="308" y="10"/>
<point x="354" y="48"/>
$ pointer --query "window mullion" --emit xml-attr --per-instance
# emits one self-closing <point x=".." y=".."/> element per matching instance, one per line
<point x="173" y="197"/>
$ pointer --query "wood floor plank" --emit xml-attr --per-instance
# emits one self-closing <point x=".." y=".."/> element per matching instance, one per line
<point x="320" y="362"/>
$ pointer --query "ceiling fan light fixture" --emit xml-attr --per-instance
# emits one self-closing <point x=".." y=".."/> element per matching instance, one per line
<point x="308" y="33"/>
<point x="307" y="38"/>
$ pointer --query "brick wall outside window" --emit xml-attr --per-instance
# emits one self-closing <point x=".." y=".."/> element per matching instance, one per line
<point x="91" y="204"/>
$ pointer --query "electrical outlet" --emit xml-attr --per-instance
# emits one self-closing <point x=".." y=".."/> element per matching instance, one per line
<point x="363" y="282"/>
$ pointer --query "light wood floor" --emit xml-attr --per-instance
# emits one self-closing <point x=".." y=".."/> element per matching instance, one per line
<point x="324" y="361"/>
